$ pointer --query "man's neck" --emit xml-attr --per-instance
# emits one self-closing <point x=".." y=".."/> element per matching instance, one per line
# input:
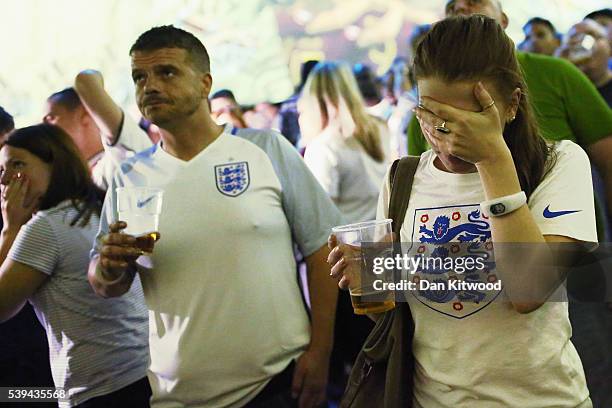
<point x="603" y="79"/>
<point x="189" y="137"/>
<point x="93" y="149"/>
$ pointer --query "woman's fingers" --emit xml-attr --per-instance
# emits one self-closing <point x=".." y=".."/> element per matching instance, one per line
<point x="434" y="141"/>
<point x="22" y="189"/>
<point x="430" y="119"/>
<point x="484" y="98"/>
<point x="332" y="241"/>
<point x="11" y="189"/>
<point x="440" y="110"/>
<point x="344" y="283"/>
<point x="428" y="123"/>
<point x="15" y="192"/>
<point x="338" y="268"/>
<point x="334" y="255"/>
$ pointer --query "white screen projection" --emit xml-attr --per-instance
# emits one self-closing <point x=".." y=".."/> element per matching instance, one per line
<point x="256" y="46"/>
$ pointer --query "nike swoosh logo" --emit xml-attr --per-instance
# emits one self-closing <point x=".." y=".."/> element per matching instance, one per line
<point x="555" y="214"/>
<point x="141" y="204"/>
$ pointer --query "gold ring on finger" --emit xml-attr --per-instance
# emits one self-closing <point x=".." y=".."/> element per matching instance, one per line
<point x="442" y="128"/>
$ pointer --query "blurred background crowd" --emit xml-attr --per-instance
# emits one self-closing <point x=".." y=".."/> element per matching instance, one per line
<point x="273" y="61"/>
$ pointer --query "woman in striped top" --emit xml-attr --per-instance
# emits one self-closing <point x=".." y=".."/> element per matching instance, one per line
<point x="98" y="348"/>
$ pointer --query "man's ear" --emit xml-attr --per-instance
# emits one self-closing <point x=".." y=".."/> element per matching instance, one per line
<point x="207" y="81"/>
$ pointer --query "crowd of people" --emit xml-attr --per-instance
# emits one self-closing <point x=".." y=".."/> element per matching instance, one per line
<point x="237" y="304"/>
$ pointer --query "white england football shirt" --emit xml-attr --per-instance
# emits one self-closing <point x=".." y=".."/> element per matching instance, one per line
<point x="226" y="312"/>
<point x="487" y="354"/>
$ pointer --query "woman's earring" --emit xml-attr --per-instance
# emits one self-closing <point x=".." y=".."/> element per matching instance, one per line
<point x="511" y="119"/>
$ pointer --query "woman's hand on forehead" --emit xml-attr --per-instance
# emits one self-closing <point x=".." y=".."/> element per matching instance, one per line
<point x="472" y="136"/>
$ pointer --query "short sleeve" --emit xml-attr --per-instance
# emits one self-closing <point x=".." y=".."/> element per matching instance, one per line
<point x="131" y="139"/>
<point x="37" y="246"/>
<point x="589" y="115"/>
<point x="563" y="203"/>
<point x="323" y="163"/>
<point x="309" y="210"/>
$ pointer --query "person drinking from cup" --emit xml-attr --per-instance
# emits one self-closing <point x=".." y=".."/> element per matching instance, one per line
<point x="98" y="349"/>
<point x="487" y="153"/>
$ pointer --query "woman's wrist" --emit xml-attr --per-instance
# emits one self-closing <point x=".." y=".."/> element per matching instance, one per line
<point x="499" y="177"/>
<point x="501" y="156"/>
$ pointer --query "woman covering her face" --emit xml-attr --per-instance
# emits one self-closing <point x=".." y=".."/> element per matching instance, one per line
<point x="98" y="348"/>
<point x="490" y="182"/>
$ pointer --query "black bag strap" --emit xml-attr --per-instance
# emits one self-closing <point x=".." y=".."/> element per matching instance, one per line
<point x="401" y="177"/>
<point x="382" y="375"/>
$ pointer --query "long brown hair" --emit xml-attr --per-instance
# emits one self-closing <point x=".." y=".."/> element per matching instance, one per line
<point x="333" y="82"/>
<point x="477" y="48"/>
<point x="70" y="178"/>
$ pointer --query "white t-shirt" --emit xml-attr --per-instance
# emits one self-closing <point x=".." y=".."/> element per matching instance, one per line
<point x="348" y="174"/>
<point x="131" y="139"/>
<point x="226" y="312"/>
<point x="96" y="346"/>
<point x="488" y="355"/>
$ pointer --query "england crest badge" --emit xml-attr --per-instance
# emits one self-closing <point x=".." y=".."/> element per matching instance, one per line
<point x="447" y="239"/>
<point x="232" y="179"/>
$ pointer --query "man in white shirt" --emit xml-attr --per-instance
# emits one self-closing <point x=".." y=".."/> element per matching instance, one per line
<point x="104" y="134"/>
<point x="227" y="321"/>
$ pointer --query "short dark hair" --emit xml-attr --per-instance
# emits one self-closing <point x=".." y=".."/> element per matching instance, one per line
<point x="305" y="70"/>
<point x="169" y="36"/>
<point x="6" y="121"/>
<point x="542" y="21"/>
<point x="606" y="13"/>
<point x="367" y="82"/>
<point x="224" y="93"/>
<point x="70" y="178"/>
<point x="68" y="98"/>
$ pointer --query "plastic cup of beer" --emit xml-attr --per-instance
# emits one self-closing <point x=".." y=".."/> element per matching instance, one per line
<point x="140" y="208"/>
<point x="376" y="236"/>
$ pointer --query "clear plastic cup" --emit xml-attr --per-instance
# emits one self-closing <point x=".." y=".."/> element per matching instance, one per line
<point x="140" y="208"/>
<point x="363" y="242"/>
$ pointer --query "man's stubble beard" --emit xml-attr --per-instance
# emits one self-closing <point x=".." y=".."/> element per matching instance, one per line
<point x="176" y="116"/>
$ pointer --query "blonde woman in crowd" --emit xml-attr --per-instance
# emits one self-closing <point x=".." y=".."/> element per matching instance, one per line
<point x="348" y="151"/>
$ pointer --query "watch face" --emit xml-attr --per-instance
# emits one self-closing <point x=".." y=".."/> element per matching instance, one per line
<point x="497" y="209"/>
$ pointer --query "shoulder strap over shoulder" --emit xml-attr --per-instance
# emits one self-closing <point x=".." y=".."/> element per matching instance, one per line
<point x="401" y="177"/>
<point x="382" y="375"/>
